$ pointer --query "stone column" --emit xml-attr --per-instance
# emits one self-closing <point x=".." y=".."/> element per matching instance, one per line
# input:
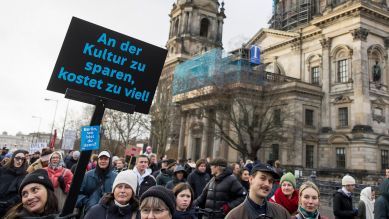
<point x="184" y="22"/>
<point x="182" y="137"/>
<point x="190" y="138"/>
<point x="204" y="139"/>
<point x="326" y="82"/>
<point x="217" y="139"/>
<point x="190" y="23"/>
<point x="359" y="67"/>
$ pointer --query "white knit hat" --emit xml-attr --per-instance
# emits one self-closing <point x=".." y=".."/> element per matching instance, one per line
<point x="348" y="180"/>
<point x="128" y="177"/>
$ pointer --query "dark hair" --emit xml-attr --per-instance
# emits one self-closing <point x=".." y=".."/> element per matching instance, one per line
<point x="181" y="187"/>
<point x="200" y="161"/>
<point x="242" y="171"/>
<point x="143" y="155"/>
<point x="10" y="163"/>
<point x="51" y="206"/>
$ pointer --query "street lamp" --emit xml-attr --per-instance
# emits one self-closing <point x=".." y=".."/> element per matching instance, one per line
<point x="55" y="112"/>
<point x="64" y="122"/>
<point x="39" y="126"/>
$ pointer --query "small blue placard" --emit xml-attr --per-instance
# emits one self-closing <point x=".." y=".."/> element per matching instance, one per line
<point x="255" y="55"/>
<point x="90" y="138"/>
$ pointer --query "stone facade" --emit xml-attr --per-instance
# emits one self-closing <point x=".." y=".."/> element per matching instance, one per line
<point x="334" y="56"/>
<point x="196" y="26"/>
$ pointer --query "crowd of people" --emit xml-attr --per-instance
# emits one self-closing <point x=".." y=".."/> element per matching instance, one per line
<point x="36" y="186"/>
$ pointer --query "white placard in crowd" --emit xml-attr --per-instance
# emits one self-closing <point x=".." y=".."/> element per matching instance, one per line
<point x="69" y="137"/>
<point x="37" y="146"/>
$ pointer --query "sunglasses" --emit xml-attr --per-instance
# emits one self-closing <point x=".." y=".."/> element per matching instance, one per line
<point x="20" y="158"/>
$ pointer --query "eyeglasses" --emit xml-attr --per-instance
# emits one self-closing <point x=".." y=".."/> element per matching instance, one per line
<point x="157" y="211"/>
<point x="20" y="158"/>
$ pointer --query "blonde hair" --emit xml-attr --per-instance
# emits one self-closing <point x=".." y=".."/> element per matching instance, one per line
<point x="154" y="202"/>
<point x="307" y="185"/>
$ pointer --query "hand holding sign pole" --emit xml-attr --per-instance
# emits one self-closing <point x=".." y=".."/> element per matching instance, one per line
<point x="109" y="70"/>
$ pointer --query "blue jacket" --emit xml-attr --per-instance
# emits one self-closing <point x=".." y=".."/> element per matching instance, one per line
<point x="92" y="190"/>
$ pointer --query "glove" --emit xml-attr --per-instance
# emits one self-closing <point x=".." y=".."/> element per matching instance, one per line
<point x="61" y="182"/>
<point x="225" y="208"/>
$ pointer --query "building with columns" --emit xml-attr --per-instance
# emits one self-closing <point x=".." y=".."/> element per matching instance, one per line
<point x="332" y="59"/>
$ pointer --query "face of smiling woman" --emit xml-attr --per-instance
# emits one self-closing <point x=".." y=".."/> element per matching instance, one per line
<point x="34" y="198"/>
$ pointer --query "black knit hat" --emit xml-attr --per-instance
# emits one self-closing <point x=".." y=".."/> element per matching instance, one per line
<point x="166" y="195"/>
<point x="39" y="176"/>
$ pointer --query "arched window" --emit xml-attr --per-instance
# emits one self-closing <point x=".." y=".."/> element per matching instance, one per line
<point x="314" y="69"/>
<point x="341" y="58"/>
<point x="204" y="26"/>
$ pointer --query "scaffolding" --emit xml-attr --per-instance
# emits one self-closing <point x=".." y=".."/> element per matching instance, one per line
<point x="288" y="15"/>
<point x="215" y="68"/>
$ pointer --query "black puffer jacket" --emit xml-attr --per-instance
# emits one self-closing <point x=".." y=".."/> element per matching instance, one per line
<point x="197" y="180"/>
<point x="343" y="206"/>
<point x="107" y="209"/>
<point x="11" y="178"/>
<point x="222" y="189"/>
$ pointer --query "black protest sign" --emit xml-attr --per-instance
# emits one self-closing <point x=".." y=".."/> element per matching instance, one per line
<point x="105" y="63"/>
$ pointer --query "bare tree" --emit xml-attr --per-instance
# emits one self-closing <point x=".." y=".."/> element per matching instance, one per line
<point x="247" y="115"/>
<point x="250" y="119"/>
<point x="121" y="129"/>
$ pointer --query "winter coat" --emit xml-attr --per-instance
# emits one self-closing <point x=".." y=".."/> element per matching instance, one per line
<point x="191" y="214"/>
<point x="179" y="169"/>
<point x="299" y="216"/>
<point x="61" y="171"/>
<point x="92" y="189"/>
<point x="343" y="206"/>
<point x="197" y="180"/>
<point x="170" y="185"/>
<point x="107" y="209"/>
<point x="11" y="178"/>
<point x="34" y="166"/>
<point x="164" y="177"/>
<point x="222" y="189"/>
<point x="247" y="211"/>
<point x="53" y="176"/>
<point x="381" y="205"/>
<point x="145" y="181"/>
<point x="69" y="163"/>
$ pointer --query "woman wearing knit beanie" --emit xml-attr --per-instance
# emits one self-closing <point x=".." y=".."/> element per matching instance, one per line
<point x="38" y="199"/>
<point x="60" y="177"/>
<point x="11" y="176"/>
<point x="309" y="202"/>
<point x="121" y="203"/>
<point x="157" y="202"/>
<point x="287" y="195"/>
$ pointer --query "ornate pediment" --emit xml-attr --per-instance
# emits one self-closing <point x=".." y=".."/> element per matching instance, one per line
<point x="313" y="138"/>
<point x="338" y="139"/>
<point x="342" y="99"/>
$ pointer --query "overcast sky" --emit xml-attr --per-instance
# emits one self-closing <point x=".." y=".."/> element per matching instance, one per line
<point x="32" y="32"/>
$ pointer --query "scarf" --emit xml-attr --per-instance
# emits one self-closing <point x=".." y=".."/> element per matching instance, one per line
<point x="369" y="203"/>
<point x="289" y="204"/>
<point x="308" y="215"/>
<point x="346" y="192"/>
